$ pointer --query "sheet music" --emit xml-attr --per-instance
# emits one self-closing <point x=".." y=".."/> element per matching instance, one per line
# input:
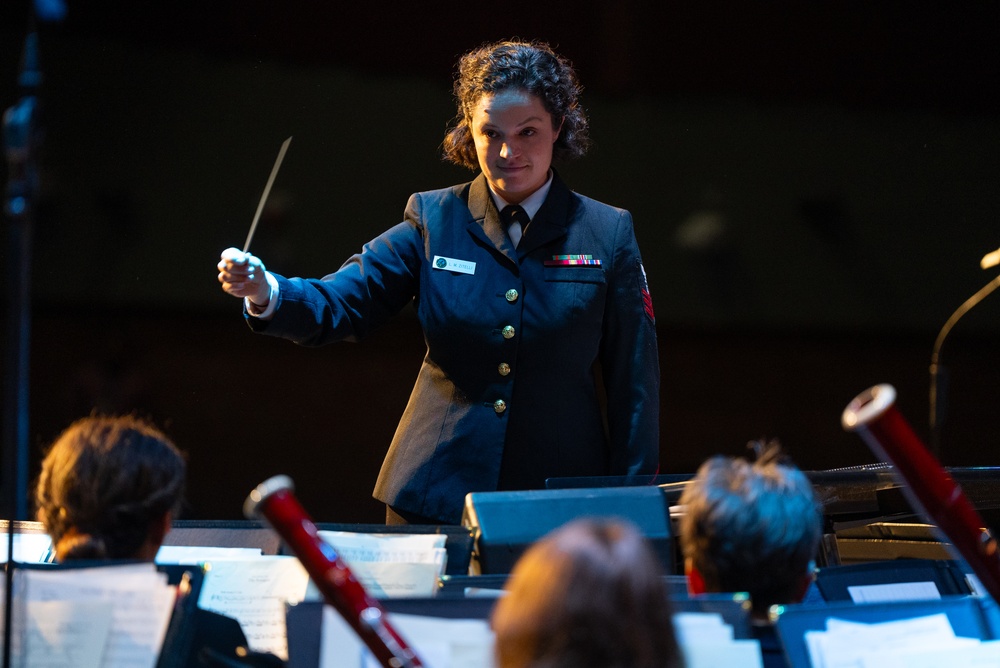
<point x="706" y="627"/>
<point x="972" y="654"/>
<point x="65" y="634"/>
<point x="141" y="603"/>
<point x="388" y="580"/>
<point x="355" y="547"/>
<point x="894" y="591"/>
<point x="743" y="653"/>
<point x="441" y="643"/>
<point x="844" y="644"/>
<point x="254" y="592"/>
<point x="708" y="641"/>
<point x="29" y="548"/>
<point x="193" y="555"/>
<point x="392" y="564"/>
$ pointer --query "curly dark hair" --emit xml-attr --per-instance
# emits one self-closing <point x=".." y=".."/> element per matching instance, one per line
<point x="532" y="66"/>
<point x="104" y="482"/>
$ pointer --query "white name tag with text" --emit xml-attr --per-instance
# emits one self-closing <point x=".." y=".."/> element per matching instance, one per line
<point x="451" y="264"/>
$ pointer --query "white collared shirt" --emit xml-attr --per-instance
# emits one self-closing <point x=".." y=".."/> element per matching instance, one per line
<point x="531" y="204"/>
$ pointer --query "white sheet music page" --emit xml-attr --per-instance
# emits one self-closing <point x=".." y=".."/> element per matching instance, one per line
<point x="970" y="654"/>
<point x="29" y="548"/>
<point x="194" y="555"/>
<point x="391" y="565"/>
<point x="141" y="603"/>
<point x="894" y="591"/>
<point x="65" y="634"/>
<point x="844" y="643"/>
<point x="254" y="592"/>
<point x="441" y="643"/>
<point x="708" y="641"/>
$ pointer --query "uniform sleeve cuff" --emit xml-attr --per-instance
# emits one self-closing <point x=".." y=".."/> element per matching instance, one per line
<point x="272" y="302"/>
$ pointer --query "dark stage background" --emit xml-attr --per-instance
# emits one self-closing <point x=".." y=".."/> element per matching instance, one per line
<point x="813" y="185"/>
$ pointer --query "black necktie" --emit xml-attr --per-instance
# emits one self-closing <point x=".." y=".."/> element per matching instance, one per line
<point x="512" y="213"/>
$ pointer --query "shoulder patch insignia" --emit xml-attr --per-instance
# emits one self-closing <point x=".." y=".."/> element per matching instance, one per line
<point x="647" y="299"/>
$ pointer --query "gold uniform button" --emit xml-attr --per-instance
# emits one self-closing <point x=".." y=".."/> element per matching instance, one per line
<point x="499" y="406"/>
<point x="511" y="295"/>
<point x="504" y="368"/>
<point x="508" y="332"/>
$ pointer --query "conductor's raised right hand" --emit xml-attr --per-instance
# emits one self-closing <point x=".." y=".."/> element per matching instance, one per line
<point x="243" y="275"/>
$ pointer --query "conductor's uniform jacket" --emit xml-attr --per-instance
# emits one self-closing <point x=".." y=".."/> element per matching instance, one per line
<point x="541" y="360"/>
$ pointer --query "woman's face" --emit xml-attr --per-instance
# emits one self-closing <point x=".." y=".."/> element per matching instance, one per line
<point x="514" y="136"/>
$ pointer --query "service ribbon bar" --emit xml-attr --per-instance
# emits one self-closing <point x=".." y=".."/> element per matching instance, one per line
<point x="572" y="261"/>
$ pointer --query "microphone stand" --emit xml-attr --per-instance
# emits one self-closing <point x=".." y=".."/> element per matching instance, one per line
<point x="938" y="386"/>
<point x="20" y="134"/>
<point x="22" y="184"/>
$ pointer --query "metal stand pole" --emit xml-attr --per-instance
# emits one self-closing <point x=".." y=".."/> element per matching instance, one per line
<point x="19" y="140"/>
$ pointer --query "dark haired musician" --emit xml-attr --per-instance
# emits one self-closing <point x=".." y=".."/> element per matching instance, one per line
<point x="524" y="290"/>
<point x="755" y="528"/>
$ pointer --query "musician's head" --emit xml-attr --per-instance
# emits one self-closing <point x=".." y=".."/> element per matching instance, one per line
<point x="751" y="527"/>
<point x="590" y="594"/>
<point x="109" y="488"/>
<point x="532" y="68"/>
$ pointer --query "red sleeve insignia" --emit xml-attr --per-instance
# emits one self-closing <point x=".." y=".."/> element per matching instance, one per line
<point x="647" y="299"/>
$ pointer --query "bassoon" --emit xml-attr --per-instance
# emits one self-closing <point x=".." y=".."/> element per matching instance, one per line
<point x="275" y="501"/>
<point x="929" y="487"/>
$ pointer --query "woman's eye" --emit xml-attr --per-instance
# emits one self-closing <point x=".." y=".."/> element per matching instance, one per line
<point x="529" y="132"/>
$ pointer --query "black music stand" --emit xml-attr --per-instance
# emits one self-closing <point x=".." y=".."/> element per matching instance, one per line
<point x="224" y="533"/>
<point x="835" y="582"/>
<point x="505" y="524"/>
<point x="966" y="615"/>
<point x="304" y="621"/>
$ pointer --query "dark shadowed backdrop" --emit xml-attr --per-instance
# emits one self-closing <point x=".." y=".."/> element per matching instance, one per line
<point x="813" y="185"/>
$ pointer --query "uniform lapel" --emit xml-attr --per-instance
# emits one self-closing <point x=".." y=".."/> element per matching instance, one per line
<point x="486" y="219"/>
<point x="551" y="221"/>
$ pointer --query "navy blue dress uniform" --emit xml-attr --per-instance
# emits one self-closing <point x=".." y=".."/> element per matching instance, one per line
<point x="541" y="359"/>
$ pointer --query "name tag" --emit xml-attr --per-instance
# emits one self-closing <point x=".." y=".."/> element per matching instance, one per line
<point x="451" y="264"/>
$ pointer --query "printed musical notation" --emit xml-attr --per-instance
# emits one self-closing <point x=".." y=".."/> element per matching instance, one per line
<point x="442" y="643"/>
<point x="390" y="565"/>
<point x="105" y="616"/>
<point x="254" y="592"/>
<point x="918" y="642"/>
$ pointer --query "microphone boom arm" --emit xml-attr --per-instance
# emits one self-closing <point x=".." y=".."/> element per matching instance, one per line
<point x="935" y="368"/>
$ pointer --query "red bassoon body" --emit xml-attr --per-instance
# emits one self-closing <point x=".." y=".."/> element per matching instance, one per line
<point x="275" y="501"/>
<point x="929" y="487"/>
